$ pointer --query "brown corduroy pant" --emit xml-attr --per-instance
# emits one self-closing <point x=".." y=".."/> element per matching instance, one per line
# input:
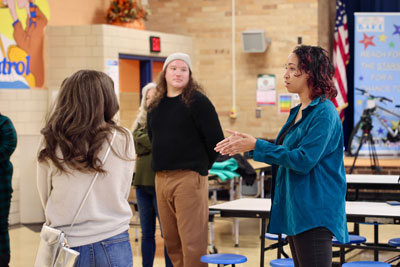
<point x="182" y="200"/>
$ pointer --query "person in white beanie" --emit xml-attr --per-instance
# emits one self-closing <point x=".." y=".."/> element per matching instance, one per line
<point x="144" y="181"/>
<point x="183" y="127"/>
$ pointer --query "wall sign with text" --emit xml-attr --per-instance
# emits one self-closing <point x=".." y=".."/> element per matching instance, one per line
<point x="22" y="26"/>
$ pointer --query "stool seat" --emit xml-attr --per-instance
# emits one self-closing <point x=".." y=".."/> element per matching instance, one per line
<point x="274" y="236"/>
<point x="395" y="242"/>
<point x="282" y="263"/>
<point x="353" y="239"/>
<point x="223" y="258"/>
<point x="366" y="264"/>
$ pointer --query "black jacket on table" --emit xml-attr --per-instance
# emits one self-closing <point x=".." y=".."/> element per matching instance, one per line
<point x="184" y="137"/>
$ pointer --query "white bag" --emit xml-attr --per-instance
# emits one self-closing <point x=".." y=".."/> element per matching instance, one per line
<point x="54" y="250"/>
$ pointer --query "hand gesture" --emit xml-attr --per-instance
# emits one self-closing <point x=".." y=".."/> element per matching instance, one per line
<point x="236" y="143"/>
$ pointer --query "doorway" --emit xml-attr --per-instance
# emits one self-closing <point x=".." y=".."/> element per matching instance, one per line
<point x="134" y="73"/>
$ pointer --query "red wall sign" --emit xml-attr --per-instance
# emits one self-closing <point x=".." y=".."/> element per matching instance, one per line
<point x="155" y="44"/>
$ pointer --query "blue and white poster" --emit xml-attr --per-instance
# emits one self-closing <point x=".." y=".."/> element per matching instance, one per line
<point x="377" y="72"/>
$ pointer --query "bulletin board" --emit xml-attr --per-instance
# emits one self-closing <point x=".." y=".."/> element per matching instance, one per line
<point x="376" y="70"/>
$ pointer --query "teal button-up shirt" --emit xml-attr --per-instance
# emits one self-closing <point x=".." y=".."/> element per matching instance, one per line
<point x="310" y="186"/>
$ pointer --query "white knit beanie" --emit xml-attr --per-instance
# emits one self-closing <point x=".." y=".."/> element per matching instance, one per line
<point x="148" y="87"/>
<point x="180" y="56"/>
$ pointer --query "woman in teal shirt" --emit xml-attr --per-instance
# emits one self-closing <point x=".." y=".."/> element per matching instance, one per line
<point x="309" y="183"/>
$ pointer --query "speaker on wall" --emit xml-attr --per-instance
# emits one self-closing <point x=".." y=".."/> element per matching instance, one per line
<point x="254" y="41"/>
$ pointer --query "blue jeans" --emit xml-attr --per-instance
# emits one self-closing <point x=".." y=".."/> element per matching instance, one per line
<point x="147" y="203"/>
<point x="110" y="252"/>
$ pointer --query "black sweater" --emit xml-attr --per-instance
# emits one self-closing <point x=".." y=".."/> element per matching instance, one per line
<point x="182" y="137"/>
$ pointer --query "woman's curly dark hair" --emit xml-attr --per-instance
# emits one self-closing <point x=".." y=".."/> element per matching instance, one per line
<point x="161" y="90"/>
<point x="314" y="61"/>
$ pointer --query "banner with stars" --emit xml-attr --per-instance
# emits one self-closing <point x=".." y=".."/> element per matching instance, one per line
<point x="377" y="70"/>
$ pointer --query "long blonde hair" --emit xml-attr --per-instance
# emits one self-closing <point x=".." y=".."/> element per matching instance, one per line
<point x="141" y="118"/>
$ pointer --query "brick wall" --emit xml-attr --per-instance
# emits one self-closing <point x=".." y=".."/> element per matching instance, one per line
<point x="209" y="23"/>
<point x="206" y="25"/>
<point x="68" y="49"/>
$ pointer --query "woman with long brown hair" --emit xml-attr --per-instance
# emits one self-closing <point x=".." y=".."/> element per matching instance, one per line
<point x="77" y="134"/>
<point x="183" y="128"/>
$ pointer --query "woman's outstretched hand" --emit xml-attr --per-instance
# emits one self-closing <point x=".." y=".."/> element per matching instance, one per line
<point x="236" y="143"/>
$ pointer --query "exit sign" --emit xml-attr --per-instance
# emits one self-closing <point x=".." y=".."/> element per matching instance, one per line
<point x="155" y="44"/>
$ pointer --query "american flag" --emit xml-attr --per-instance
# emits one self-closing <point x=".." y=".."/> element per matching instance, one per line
<point x="340" y="57"/>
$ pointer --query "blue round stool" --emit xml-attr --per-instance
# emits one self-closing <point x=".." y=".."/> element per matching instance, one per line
<point x="279" y="245"/>
<point x="353" y="239"/>
<point x="395" y="242"/>
<point x="282" y="263"/>
<point x="223" y="259"/>
<point x="274" y="236"/>
<point x="366" y="264"/>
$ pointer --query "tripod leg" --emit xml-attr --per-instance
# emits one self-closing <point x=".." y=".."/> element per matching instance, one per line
<point x="373" y="156"/>
<point x="358" y="150"/>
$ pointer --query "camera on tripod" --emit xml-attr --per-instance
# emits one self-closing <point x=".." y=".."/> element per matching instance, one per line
<point x="366" y="123"/>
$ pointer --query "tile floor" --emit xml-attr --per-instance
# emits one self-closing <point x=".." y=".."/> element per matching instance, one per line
<point x="24" y="241"/>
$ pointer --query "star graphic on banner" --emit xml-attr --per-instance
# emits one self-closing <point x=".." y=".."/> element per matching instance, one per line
<point x="397" y="31"/>
<point x="382" y="37"/>
<point x="367" y="41"/>
<point x="361" y="78"/>
<point x="391" y="44"/>
<point x="380" y="130"/>
<point x="359" y="102"/>
<point x="395" y="124"/>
